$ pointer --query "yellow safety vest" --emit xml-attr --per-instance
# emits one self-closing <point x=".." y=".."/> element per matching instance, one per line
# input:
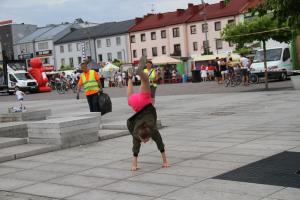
<point x="91" y="84"/>
<point x="151" y="76"/>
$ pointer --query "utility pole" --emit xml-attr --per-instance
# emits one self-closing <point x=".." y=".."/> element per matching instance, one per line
<point x="204" y="13"/>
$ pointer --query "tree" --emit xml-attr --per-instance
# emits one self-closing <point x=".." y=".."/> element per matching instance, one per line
<point x="259" y="29"/>
<point x="284" y="11"/>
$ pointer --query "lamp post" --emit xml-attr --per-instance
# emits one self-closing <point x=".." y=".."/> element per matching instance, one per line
<point x="204" y="13"/>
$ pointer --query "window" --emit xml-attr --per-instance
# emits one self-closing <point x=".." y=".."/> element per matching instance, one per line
<point x="163" y="34"/>
<point x="132" y="39"/>
<point x="193" y="29"/>
<point x="134" y="54"/>
<point x="176" y="32"/>
<point x="143" y="37"/>
<point x="100" y="58"/>
<point x="217" y="26"/>
<point x="219" y="44"/>
<point x="61" y="49"/>
<point x="87" y="45"/>
<point x="62" y="62"/>
<point x="109" y="56"/>
<point x="153" y="35"/>
<point x="45" y="60"/>
<point x="12" y="78"/>
<point x="71" y="62"/>
<point x="69" y="47"/>
<point x="154" y="51"/>
<point x="119" y="55"/>
<point x="144" y="52"/>
<point x="205" y="44"/>
<point x="204" y="28"/>
<point x="231" y="44"/>
<point x="99" y="44"/>
<point x="118" y="40"/>
<point x="195" y="46"/>
<point x="286" y="54"/>
<point x="43" y="45"/>
<point x="79" y="59"/>
<point x="163" y="50"/>
<point x="108" y="43"/>
<point x="231" y="21"/>
<point x="177" y="50"/>
<point x="78" y="46"/>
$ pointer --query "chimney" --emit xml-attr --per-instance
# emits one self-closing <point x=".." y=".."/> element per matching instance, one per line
<point x="195" y="9"/>
<point x="190" y="6"/>
<point x="222" y="4"/>
<point x="160" y="16"/>
<point x="179" y="12"/>
<point x="138" y="20"/>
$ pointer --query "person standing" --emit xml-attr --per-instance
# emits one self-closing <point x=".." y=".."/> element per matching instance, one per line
<point x="244" y="69"/>
<point x="152" y="76"/>
<point x="20" y="98"/>
<point x="90" y="81"/>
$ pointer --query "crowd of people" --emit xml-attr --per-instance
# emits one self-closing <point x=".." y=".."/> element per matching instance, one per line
<point x="222" y="68"/>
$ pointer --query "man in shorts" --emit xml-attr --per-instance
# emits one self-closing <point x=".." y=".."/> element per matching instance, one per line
<point x="244" y="62"/>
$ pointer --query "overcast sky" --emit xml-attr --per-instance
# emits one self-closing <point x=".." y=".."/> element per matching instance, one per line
<point x="42" y="12"/>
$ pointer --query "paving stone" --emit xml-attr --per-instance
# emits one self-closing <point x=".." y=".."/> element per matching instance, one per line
<point x="6" y="170"/>
<point x="166" y="179"/>
<point x="22" y="164"/>
<point x="139" y="188"/>
<point x="82" y="181"/>
<point x="51" y="190"/>
<point x="109" y="173"/>
<point x="287" y="194"/>
<point x="236" y="187"/>
<point x="34" y="175"/>
<point x="86" y="161"/>
<point x="195" y="194"/>
<point x="232" y="157"/>
<point x="126" y="165"/>
<point x="100" y="194"/>
<point x="210" y="164"/>
<point x="12" y="184"/>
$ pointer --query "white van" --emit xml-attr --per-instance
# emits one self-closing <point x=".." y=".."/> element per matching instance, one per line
<point x="278" y="62"/>
<point x="22" y="79"/>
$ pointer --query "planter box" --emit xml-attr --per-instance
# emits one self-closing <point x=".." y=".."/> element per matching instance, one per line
<point x="296" y="82"/>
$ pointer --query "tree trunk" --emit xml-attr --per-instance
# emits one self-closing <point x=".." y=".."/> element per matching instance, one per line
<point x="266" y="67"/>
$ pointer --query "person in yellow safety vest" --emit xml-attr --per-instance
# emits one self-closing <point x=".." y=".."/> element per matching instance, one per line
<point x="153" y="77"/>
<point x="90" y="81"/>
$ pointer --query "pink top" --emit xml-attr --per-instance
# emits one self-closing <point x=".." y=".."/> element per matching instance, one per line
<point x="138" y="101"/>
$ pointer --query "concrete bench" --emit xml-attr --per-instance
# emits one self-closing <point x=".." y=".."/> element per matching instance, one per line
<point x="65" y="132"/>
<point x="13" y="130"/>
<point x="30" y="115"/>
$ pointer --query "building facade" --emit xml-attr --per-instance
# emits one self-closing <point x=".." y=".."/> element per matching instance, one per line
<point x="10" y="34"/>
<point x="102" y="43"/>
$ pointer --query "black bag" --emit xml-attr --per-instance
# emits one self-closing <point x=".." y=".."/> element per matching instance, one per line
<point x="104" y="103"/>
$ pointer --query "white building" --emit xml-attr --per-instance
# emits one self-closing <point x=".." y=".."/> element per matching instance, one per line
<point x="101" y="43"/>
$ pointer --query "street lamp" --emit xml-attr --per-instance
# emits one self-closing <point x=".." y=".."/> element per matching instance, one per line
<point x="204" y="13"/>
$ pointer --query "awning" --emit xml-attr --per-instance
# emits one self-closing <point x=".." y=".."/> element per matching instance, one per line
<point x="163" y="60"/>
<point x="203" y="57"/>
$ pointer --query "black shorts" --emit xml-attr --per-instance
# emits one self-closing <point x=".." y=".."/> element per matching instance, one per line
<point x="153" y="91"/>
<point x="244" y="72"/>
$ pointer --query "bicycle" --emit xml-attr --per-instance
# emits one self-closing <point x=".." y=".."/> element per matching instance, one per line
<point x="61" y="87"/>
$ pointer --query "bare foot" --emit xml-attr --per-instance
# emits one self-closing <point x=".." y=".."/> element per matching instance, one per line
<point x="134" y="168"/>
<point x="165" y="165"/>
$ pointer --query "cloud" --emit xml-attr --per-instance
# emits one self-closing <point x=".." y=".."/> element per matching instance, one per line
<point x="42" y="12"/>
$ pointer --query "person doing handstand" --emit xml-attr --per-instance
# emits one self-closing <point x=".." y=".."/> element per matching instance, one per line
<point x="142" y="125"/>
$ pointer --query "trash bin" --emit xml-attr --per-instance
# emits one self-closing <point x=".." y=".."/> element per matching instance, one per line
<point x="196" y="76"/>
<point x="184" y="78"/>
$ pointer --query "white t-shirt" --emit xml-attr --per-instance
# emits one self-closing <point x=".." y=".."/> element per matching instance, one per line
<point x="19" y="95"/>
<point x="245" y="62"/>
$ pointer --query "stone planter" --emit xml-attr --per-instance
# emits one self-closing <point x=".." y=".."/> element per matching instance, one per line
<point x="296" y="82"/>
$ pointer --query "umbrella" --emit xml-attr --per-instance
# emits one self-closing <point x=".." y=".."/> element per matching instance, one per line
<point x="109" y="67"/>
<point x="163" y="60"/>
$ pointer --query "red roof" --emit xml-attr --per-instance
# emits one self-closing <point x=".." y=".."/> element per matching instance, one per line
<point x="153" y="21"/>
<point x="252" y="4"/>
<point x="219" y="10"/>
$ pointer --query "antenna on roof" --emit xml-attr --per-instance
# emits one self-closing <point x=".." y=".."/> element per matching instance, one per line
<point x="152" y="8"/>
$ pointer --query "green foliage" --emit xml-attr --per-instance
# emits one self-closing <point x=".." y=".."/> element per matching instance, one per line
<point x="243" y="51"/>
<point x="65" y="68"/>
<point x="259" y="29"/>
<point x="285" y="11"/>
<point x="117" y="62"/>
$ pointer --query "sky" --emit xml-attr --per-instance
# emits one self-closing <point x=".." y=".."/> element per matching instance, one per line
<point x="43" y="12"/>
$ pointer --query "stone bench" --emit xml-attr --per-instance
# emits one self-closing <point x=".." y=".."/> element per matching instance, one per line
<point x="30" y="115"/>
<point x="65" y="132"/>
<point x="14" y="130"/>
